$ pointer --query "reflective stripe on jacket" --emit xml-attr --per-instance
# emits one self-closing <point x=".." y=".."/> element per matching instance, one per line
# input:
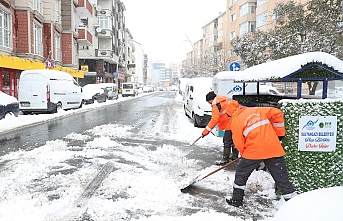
<point x="255" y="132"/>
<point x="219" y="116"/>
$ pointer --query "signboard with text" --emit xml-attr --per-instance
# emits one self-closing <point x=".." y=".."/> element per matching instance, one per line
<point x="317" y="133"/>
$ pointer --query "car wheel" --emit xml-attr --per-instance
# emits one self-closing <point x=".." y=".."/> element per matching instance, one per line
<point x="195" y="120"/>
<point x="58" y="106"/>
<point x="81" y="103"/>
<point x="184" y="108"/>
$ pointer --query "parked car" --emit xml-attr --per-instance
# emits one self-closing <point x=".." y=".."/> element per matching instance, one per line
<point x="8" y="105"/>
<point x="46" y="91"/>
<point x="112" y="90"/>
<point x="148" y="88"/>
<point x="129" y="89"/>
<point x="94" y="92"/>
<point x="195" y="105"/>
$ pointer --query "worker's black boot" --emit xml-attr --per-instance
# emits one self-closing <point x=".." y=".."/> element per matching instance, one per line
<point x="234" y="153"/>
<point x="226" y="157"/>
<point x="237" y="198"/>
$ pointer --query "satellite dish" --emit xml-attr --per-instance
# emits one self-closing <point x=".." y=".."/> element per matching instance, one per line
<point x="98" y="8"/>
<point x="98" y="29"/>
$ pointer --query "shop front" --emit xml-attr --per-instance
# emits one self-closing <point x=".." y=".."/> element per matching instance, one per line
<point x="11" y="68"/>
<point x="9" y="79"/>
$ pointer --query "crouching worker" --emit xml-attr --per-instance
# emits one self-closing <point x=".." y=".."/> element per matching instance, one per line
<point x="220" y="117"/>
<point x="256" y="132"/>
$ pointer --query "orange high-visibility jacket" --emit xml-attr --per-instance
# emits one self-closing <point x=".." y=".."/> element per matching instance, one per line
<point x="219" y="116"/>
<point x="256" y="131"/>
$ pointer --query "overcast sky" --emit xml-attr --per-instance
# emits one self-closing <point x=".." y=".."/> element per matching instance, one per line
<point x="161" y="26"/>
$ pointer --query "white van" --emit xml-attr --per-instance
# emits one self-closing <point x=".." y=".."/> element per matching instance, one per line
<point x="112" y="90"/>
<point x="129" y="89"/>
<point x="46" y="91"/>
<point x="223" y="84"/>
<point x="195" y="104"/>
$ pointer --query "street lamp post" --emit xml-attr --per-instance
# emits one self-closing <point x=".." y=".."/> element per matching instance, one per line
<point x="193" y="52"/>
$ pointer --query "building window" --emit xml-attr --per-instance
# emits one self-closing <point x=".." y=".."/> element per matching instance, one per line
<point x="5" y="29"/>
<point x="248" y="8"/>
<point x="220" y="33"/>
<point x="214" y="49"/>
<point x="57" y="47"/>
<point x="231" y="2"/>
<point x="233" y="17"/>
<point x="246" y="27"/>
<point x="232" y="34"/>
<point x="38" y="45"/>
<point x="214" y="24"/>
<point x="37" y="5"/>
<point x="261" y="2"/>
<point x="213" y="37"/>
<point x="105" y="22"/>
<point x="58" y="11"/>
<point x="220" y="20"/>
<point x="261" y="19"/>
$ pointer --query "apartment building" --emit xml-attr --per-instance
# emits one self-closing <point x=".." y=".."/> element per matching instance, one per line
<point x="240" y="17"/>
<point x="34" y="35"/>
<point x="86" y="38"/>
<point x="105" y="59"/>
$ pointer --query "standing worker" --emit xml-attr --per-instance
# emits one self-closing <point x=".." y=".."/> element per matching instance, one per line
<point x="219" y="116"/>
<point x="257" y="132"/>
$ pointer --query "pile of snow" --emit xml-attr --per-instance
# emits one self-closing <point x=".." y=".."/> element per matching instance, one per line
<point x="7" y="99"/>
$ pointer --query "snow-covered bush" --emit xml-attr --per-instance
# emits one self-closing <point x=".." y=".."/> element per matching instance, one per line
<point x="312" y="170"/>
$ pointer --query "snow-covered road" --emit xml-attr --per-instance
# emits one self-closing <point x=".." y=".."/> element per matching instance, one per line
<point x="116" y="172"/>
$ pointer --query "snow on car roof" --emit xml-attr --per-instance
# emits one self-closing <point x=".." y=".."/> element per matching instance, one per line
<point x="286" y="66"/>
<point x="7" y="99"/>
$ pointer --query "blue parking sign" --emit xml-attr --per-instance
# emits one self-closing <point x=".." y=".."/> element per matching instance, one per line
<point x="234" y="66"/>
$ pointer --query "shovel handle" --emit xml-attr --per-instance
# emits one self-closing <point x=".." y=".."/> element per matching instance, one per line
<point x="196" y="140"/>
<point x="220" y="168"/>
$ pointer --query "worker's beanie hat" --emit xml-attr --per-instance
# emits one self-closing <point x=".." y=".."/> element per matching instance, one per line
<point x="232" y="107"/>
<point x="210" y="96"/>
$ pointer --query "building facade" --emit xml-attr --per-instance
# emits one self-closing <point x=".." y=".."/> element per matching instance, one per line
<point x="86" y="38"/>
<point x="213" y="52"/>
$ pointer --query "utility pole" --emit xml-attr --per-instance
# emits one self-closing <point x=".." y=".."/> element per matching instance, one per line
<point x="193" y="53"/>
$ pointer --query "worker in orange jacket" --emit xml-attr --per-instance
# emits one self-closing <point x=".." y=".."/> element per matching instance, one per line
<point x="257" y="132"/>
<point x="220" y="117"/>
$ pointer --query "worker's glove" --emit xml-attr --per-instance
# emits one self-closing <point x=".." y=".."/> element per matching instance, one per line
<point x="205" y="133"/>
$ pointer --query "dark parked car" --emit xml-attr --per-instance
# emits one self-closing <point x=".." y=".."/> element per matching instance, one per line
<point x="8" y="105"/>
<point x="94" y="92"/>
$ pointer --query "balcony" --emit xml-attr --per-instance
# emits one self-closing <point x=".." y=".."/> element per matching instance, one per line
<point x="103" y="33"/>
<point x="103" y="53"/>
<point x="85" y="37"/>
<point x="84" y="8"/>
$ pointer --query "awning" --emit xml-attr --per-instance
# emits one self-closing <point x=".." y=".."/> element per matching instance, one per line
<point x="26" y="64"/>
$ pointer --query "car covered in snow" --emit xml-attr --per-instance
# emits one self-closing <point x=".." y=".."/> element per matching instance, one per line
<point x="8" y="105"/>
<point x="94" y="92"/>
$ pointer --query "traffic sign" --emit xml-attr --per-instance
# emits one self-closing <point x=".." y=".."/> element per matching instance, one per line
<point x="235" y="66"/>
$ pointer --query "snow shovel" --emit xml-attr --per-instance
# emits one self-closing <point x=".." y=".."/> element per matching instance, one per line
<point x="196" y="140"/>
<point x="197" y="179"/>
<point x="185" y="150"/>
